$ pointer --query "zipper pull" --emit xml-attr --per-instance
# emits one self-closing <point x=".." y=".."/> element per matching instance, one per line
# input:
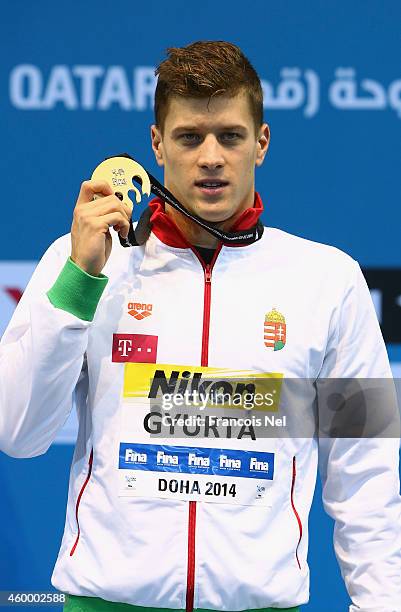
<point x="208" y="274"/>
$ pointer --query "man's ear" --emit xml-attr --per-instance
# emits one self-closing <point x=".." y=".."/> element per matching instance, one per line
<point x="157" y="144"/>
<point x="262" y="144"/>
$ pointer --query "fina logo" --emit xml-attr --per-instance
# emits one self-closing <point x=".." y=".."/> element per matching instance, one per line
<point x="258" y="466"/>
<point x="132" y="456"/>
<point x="229" y="463"/>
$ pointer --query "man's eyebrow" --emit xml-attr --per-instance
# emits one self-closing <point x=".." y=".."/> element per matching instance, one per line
<point x="184" y="128"/>
<point x="234" y="128"/>
<point x="193" y="128"/>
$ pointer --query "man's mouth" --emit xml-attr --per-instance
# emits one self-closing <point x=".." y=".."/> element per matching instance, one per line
<point x="211" y="187"/>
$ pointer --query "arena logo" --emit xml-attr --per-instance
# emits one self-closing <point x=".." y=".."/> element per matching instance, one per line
<point x="139" y="311"/>
<point x="82" y="87"/>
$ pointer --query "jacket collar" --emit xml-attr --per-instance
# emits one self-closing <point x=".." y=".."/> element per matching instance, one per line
<point x="167" y="231"/>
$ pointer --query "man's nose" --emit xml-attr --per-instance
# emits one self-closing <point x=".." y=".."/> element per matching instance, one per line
<point x="211" y="153"/>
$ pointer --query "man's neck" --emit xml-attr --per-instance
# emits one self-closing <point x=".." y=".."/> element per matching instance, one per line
<point x="194" y="233"/>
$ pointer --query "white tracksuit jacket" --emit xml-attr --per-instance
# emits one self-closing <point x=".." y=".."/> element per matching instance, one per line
<point x="169" y="550"/>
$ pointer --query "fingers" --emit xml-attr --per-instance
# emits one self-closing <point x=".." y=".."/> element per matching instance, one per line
<point x="104" y="206"/>
<point x="102" y="213"/>
<point x="96" y="190"/>
<point x="100" y="207"/>
<point x="89" y="188"/>
<point x="114" y="219"/>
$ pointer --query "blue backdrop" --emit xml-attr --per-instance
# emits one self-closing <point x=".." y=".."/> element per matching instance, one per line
<point x="77" y="85"/>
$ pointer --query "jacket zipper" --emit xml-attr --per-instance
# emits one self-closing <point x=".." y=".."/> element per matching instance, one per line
<point x="79" y="501"/>
<point x="206" y="315"/>
<point x="294" y="474"/>
<point x="207" y="269"/>
<point x="191" y="557"/>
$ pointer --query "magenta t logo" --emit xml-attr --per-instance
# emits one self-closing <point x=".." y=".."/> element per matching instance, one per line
<point x="134" y="348"/>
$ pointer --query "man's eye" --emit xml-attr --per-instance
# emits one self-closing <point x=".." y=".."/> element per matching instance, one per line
<point x="190" y="138"/>
<point x="230" y="136"/>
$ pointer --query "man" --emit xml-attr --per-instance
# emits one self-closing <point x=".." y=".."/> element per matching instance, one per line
<point x="211" y="522"/>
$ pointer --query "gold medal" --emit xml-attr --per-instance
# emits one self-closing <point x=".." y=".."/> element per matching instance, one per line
<point x="118" y="172"/>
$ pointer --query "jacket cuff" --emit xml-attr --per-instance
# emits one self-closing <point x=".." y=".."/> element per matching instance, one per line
<point x="77" y="292"/>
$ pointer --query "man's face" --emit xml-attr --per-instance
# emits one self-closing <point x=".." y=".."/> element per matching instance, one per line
<point x="209" y="151"/>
